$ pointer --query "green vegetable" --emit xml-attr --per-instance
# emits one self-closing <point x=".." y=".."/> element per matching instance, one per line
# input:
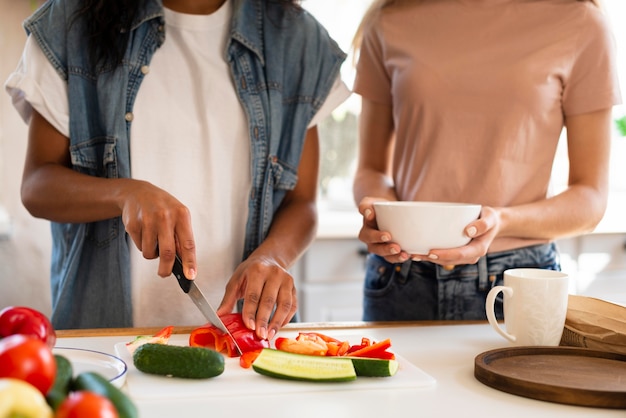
<point x="62" y="380"/>
<point x="292" y="366"/>
<point x="178" y="361"/>
<point x="96" y="383"/>
<point x="373" y="367"/>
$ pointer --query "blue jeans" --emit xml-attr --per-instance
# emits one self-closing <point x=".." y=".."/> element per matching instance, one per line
<point x="421" y="290"/>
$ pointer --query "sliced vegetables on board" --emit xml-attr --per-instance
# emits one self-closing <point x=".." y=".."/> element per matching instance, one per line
<point x="313" y="343"/>
<point x="292" y="366"/>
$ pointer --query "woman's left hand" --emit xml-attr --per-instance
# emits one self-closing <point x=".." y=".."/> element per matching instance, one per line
<point x="268" y="291"/>
<point x="482" y="232"/>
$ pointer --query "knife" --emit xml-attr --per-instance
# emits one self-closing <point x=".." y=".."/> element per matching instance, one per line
<point x="201" y="302"/>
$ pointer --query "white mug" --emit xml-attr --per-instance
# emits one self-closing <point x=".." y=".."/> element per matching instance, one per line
<point x="535" y="305"/>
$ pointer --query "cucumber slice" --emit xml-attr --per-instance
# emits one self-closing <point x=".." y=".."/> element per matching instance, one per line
<point x="372" y="367"/>
<point x="291" y="366"/>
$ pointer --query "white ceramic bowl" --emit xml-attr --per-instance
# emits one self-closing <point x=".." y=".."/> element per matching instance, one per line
<point x="423" y="226"/>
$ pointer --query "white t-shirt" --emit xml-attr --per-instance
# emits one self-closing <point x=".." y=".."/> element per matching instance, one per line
<point x="189" y="137"/>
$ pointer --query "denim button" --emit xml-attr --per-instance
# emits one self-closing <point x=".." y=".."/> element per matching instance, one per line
<point x="145" y="69"/>
<point x="129" y="117"/>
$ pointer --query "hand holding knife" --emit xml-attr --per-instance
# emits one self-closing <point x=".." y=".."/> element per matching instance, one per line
<point x="189" y="287"/>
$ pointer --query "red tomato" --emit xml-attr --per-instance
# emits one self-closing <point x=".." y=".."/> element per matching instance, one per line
<point x="29" y="359"/>
<point x="85" y="404"/>
<point x="26" y="321"/>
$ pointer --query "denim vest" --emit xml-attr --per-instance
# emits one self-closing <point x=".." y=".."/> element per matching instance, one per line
<point x="283" y="65"/>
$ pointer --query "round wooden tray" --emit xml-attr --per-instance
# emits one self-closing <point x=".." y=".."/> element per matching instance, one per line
<point x="568" y="375"/>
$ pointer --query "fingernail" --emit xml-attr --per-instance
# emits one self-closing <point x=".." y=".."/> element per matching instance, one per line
<point x="471" y="231"/>
<point x="251" y="324"/>
<point x="394" y="251"/>
<point x="433" y="256"/>
<point x="192" y="274"/>
<point x="385" y="238"/>
<point x="367" y="213"/>
<point x="263" y="332"/>
<point x="271" y="334"/>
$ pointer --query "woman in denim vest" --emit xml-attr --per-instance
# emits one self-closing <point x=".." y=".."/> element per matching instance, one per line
<point x="174" y="127"/>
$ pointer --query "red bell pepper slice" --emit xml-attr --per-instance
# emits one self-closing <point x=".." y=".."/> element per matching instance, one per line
<point x="248" y="358"/>
<point x="303" y="344"/>
<point x="375" y="350"/>
<point x="211" y="337"/>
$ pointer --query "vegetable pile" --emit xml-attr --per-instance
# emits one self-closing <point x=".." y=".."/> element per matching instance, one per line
<point x="310" y="356"/>
<point x="36" y="383"/>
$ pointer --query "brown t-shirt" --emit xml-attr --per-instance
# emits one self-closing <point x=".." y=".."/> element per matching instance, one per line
<point x="479" y="92"/>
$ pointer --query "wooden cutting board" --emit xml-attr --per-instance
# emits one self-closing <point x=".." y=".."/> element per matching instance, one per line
<point x="568" y="375"/>
<point x="236" y="380"/>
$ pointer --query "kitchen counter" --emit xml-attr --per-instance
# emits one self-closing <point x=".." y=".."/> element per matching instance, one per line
<point x="445" y="351"/>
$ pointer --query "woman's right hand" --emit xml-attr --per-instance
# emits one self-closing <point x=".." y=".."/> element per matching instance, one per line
<point x="378" y="242"/>
<point x="159" y="225"/>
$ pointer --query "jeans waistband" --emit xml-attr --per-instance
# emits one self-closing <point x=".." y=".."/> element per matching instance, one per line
<point x="540" y="256"/>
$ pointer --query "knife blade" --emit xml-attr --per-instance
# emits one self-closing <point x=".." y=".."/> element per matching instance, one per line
<point x="189" y="287"/>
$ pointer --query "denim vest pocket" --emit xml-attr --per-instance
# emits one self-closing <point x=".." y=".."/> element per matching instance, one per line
<point x="282" y="175"/>
<point x="95" y="157"/>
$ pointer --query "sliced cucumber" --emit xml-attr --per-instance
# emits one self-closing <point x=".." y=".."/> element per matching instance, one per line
<point x="178" y="361"/>
<point x="291" y="366"/>
<point x="372" y="367"/>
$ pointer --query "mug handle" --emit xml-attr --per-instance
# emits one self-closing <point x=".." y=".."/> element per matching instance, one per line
<point x="489" y="307"/>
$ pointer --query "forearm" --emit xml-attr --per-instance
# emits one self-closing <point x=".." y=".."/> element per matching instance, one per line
<point x="60" y="194"/>
<point x="371" y="183"/>
<point x="576" y="211"/>
<point x="292" y="231"/>
<point x="579" y="208"/>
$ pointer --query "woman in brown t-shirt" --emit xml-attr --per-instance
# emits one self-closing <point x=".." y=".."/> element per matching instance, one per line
<point x="465" y="101"/>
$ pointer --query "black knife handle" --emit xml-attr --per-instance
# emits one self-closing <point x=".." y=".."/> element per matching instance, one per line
<point x="177" y="271"/>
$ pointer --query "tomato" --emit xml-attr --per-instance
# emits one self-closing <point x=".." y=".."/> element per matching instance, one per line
<point x="26" y="321"/>
<point x="84" y="404"/>
<point x="28" y="359"/>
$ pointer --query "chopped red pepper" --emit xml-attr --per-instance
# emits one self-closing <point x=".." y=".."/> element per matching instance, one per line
<point x="376" y="350"/>
<point x="313" y="343"/>
<point x="211" y="337"/>
<point x="248" y="358"/>
<point x="310" y="344"/>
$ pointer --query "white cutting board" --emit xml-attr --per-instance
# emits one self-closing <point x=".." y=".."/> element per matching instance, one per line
<point x="236" y="380"/>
